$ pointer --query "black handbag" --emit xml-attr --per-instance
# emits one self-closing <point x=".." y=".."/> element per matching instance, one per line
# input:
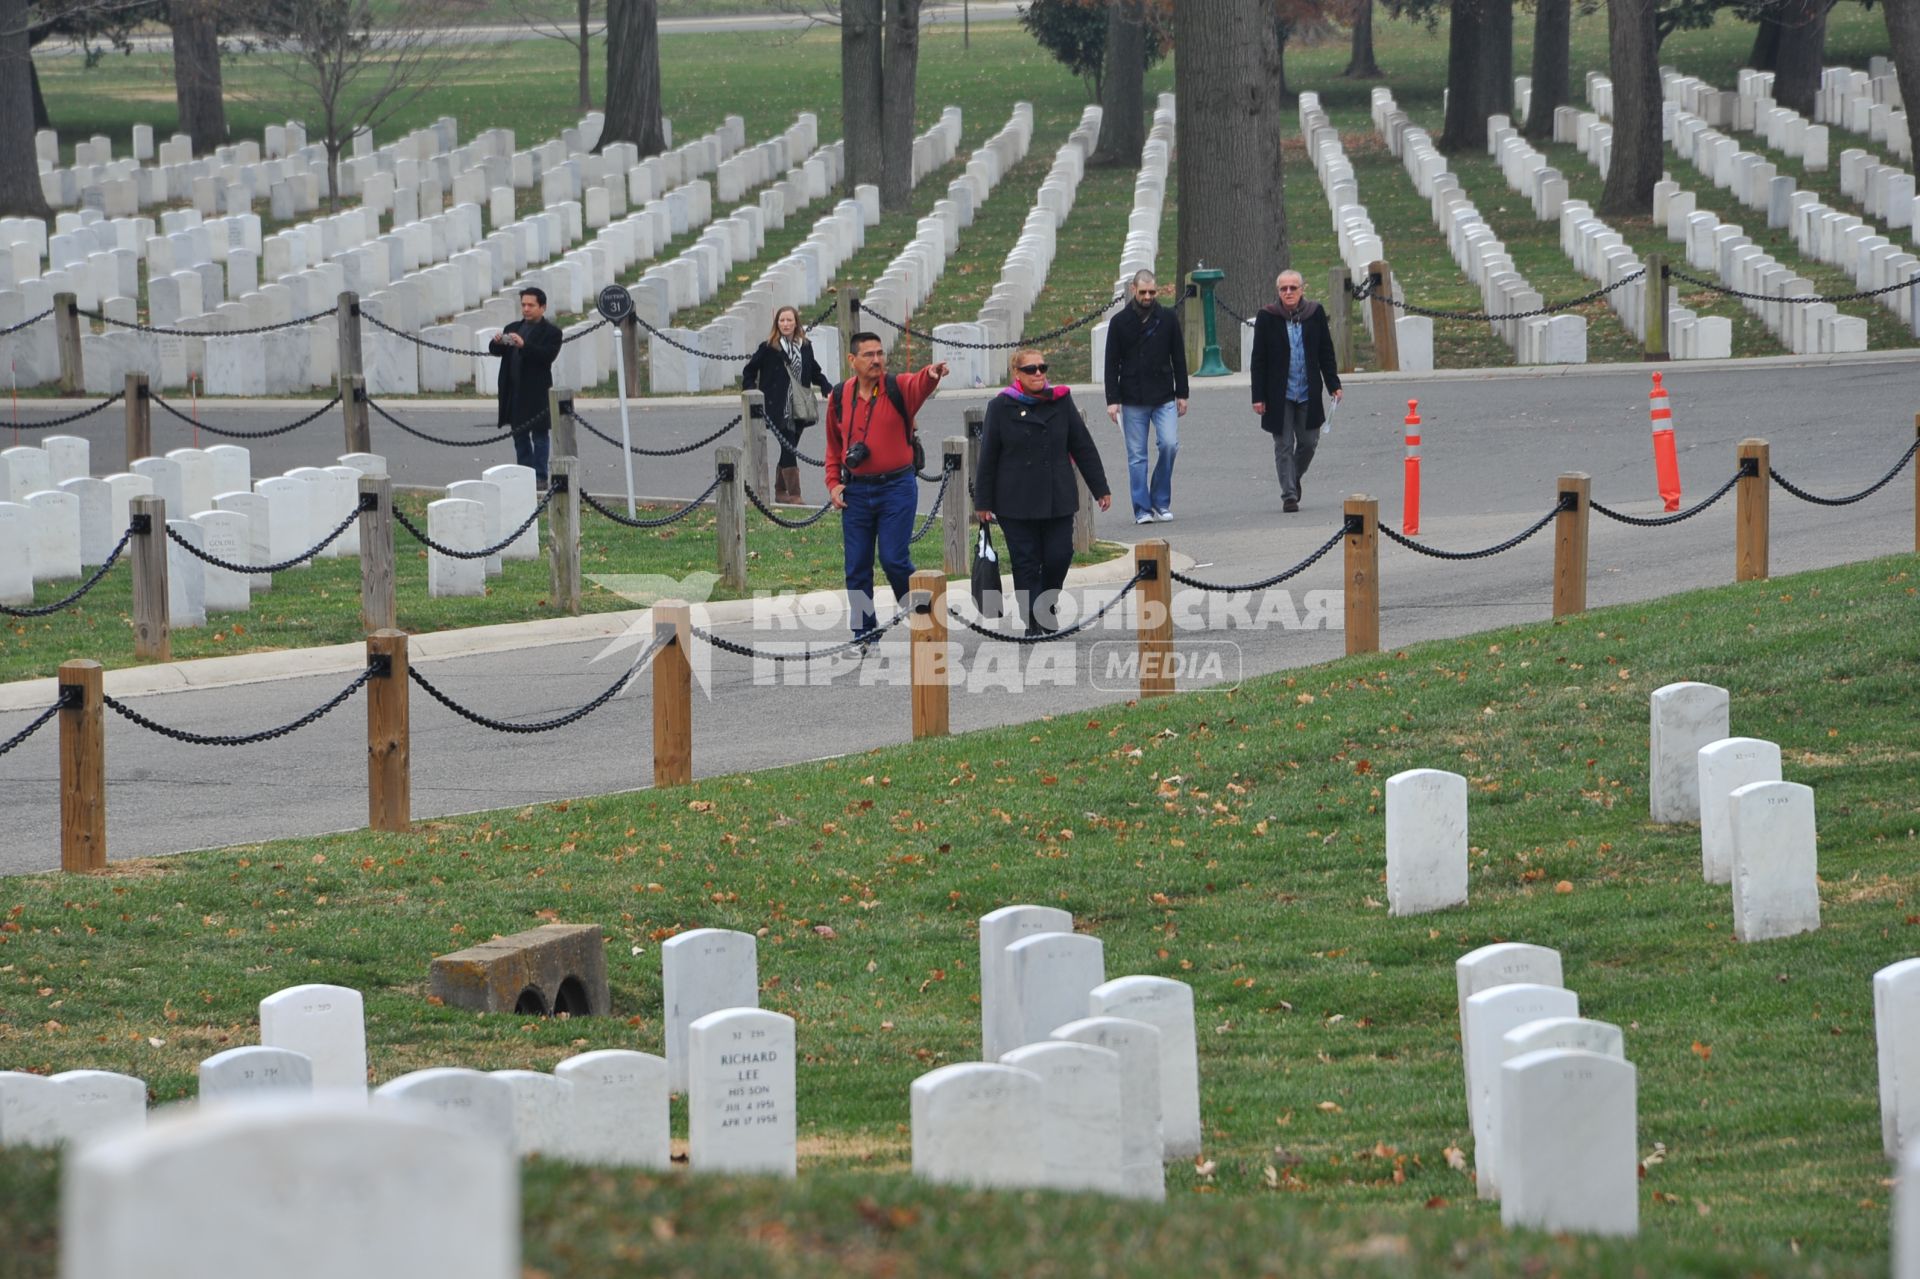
<point x="987" y="596"/>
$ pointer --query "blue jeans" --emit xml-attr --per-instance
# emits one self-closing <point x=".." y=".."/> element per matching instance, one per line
<point x="877" y="512"/>
<point x="530" y="449"/>
<point x="1155" y="494"/>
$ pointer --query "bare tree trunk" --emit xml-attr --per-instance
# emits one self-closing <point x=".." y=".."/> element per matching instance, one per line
<point x="1233" y="210"/>
<point x="1281" y="30"/>
<point x="861" y="63"/>
<point x="1903" y="33"/>
<point x="1634" y="42"/>
<point x="1497" y="63"/>
<point x="1361" y="65"/>
<point x="1123" y="86"/>
<point x="1552" y="58"/>
<point x="1801" y="55"/>
<point x="20" y="193"/>
<point x="41" y="120"/>
<point x="586" y="58"/>
<point x="1766" y="44"/>
<point x="633" y="76"/>
<point x="1466" y="120"/>
<point x="197" y="88"/>
<point x="901" y="50"/>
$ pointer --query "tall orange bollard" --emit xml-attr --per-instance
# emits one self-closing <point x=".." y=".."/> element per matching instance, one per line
<point x="1666" y="459"/>
<point x="1410" y="500"/>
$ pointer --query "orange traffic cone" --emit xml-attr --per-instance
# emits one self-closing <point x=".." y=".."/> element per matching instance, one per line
<point x="1666" y="460"/>
<point x="1410" y="500"/>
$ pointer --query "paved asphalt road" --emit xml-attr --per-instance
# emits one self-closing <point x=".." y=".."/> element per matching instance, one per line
<point x="1493" y="449"/>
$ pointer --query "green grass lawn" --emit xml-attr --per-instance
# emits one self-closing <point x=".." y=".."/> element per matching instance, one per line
<point x="321" y="605"/>
<point x="1232" y="840"/>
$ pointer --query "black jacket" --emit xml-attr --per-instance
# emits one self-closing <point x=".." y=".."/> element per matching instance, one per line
<point x="1273" y="351"/>
<point x="1146" y="357"/>
<point x="1027" y="456"/>
<point x="767" y="373"/>
<point x="526" y="372"/>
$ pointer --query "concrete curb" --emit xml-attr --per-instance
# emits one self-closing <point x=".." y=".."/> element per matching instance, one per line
<point x="346" y="659"/>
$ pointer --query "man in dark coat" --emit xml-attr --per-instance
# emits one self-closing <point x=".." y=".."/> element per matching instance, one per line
<point x="527" y="349"/>
<point x="1292" y="363"/>
<point x="1146" y="385"/>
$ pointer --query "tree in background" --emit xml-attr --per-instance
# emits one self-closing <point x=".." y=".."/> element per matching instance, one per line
<point x="198" y="86"/>
<point x="900" y="59"/>
<point x="1361" y="64"/>
<point x="1552" y="65"/>
<point x="633" y="76"/>
<point x="1468" y="98"/>
<point x="575" y="22"/>
<point x="1634" y="56"/>
<point x="862" y="45"/>
<point x="20" y="193"/>
<point x="1075" y="33"/>
<point x="1123" y="85"/>
<point x="1903" y="32"/>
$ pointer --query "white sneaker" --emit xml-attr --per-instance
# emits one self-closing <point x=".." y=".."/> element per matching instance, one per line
<point x="1143" y="519"/>
<point x="1165" y="517"/>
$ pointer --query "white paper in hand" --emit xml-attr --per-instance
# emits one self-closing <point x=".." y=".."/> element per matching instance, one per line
<point x="1326" y="427"/>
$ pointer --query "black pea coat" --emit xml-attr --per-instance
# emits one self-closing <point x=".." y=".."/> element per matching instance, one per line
<point x="526" y="372"/>
<point x="1027" y="456"/>
<point x="1273" y="351"/>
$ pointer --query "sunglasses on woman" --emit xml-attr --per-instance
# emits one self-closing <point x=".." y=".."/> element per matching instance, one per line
<point x="1033" y="368"/>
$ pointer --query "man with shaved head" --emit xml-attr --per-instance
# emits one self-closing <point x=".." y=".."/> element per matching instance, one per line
<point x="1292" y="363"/>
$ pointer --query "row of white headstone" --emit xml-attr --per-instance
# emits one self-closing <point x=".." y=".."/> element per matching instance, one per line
<point x="1142" y="246"/>
<point x="910" y="276"/>
<point x="1866" y="102"/>
<point x="1561" y="339"/>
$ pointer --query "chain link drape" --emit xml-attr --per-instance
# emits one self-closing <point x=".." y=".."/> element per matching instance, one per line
<point x="47" y="610"/>
<point x="119" y="707"/>
<point x="310" y="418"/>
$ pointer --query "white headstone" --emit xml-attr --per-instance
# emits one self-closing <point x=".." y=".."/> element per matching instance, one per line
<point x="1683" y="717"/>
<point x="1490" y="1015"/>
<point x="1142" y="1176"/>
<point x="620" y="1115"/>
<point x="1426" y="841"/>
<point x="461" y="525"/>
<point x="56" y="542"/>
<point x="1500" y="964"/>
<point x="258" y="512"/>
<point x="346" y="501"/>
<point x="1896" y="1029"/>
<point x="328" y="1024"/>
<point x="488" y="495"/>
<point x="740" y="1093"/>
<point x="228" y="537"/>
<point x="1166" y="1005"/>
<point x="164" y="475"/>
<point x="98" y="536"/>
<point x="542" y="1112"/>
<point x="248" y="1073"/>
<point x="18" y="532"/>
<point x="978" y="1124"/>
<point x="703" y="970"/>
<point x="517" y="500"/>
<point x="998" y="930"/>
<point x="186" y="575"/>
<point x="29" y="1110"/>
<point x="197" y="485"/>
<point x="232" y="468"/>
<point x="27" y="470"/>
<point x="1051" y="976"/>
<point x="98" y="1103"/>
<point x="1080" y="1116"/>
<point x="1776" y="885"/>
<point x="68" y="458"/>
<point x="289" y="518"/>
<point x="1725" y="766"/>
<point x="1570" y="1160"/>
<point x="304" y="1191"/>
<point x="470" y="1100"/>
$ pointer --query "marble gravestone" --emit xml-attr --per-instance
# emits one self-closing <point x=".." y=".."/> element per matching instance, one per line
<point x="1776" y="885"/>
<point x="1080" y="1116"/>
<point x="1142" y="1175"/>
<point x="97" y="1103"/>
<point x="1498" y="965"/>
<point x="998" y="930"/>
<point x="252" y="1072"/>
<point x="16" y="554"/>
<point x="977" y="1124"/>
<point x="56" y="527"/>
<point x="542" y="1112"/>
<point x="1167" y="1006"/>
<point x="1490" y="1015"/>
<point x="740" y="1093"/>
<point x="227" y="536"/>
<point x="460" y="524"/>
<point x="1681" y="719"/>
<point x="1426" y="841"/>
<point x="620" y="1115"/>
<point x="1896" y="1031"/>
<point x="470" y="1100"/>
<point x="1569" y="1157"/>
<point x="702" y="971"/>
<point x="1051" y="975"/>
<point x="30" y="1108"/>
<point x="1725" y="766"/>
<point x="301" y="1191"/>
<point x="186" y="575"/>
<point x="328" y="1025"/>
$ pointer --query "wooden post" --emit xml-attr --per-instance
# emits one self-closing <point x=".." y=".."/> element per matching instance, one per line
<point x="1751" y="495"/>
<point x="152" y="623"/>
<point x="1340" y="316"/>
<point x="347" y="333"/>
<point x="1155" y="616"/>
<point x="1570" y="545"/>
<point x="730" y="519"/>
<point x="956" y="554"/>
<point x="83" y="767"/>
<point x="563" y="533"/>
<point x="976" y="423"/>
<point x="564" y="439"/>
<point x="354" y="414"/>
<point x="1083" y="514"/>
<point x="139" y="405"/>
<point x="389" y="744"/>
<point x="673" y="696"/>
<point x="630" y="353"/>
<point x="1386" y="339"/>
<point x="66" y="328"/>
<point x="1363" y="574"/>
<point x="927" y="633"/>
<point x="378" y="609"/>
<point x="846" y="315"/>
<point x="753" y="416"/>
<point x="1654" y="314"/>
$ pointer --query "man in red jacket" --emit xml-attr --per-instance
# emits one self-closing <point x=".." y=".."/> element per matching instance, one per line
<point x="870" y="472"/>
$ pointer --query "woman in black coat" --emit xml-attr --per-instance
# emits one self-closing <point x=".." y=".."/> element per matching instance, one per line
<point x="784" y="360"/>
<point x="1032" y="440"/>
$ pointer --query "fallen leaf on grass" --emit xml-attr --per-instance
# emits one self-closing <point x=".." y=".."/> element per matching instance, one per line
<point x="1330" y="1107"/>
<point x="1703" y="1051"/>
<point x="1456" y="1158"/>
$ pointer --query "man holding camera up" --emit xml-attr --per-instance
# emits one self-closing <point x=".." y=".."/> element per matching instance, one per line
<point x="870" y="471"/>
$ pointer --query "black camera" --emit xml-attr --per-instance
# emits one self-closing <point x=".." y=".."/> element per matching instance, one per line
<point x="857" y="455"/>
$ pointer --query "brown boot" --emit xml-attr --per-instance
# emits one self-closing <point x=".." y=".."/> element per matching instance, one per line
<point x="786" y="485"/>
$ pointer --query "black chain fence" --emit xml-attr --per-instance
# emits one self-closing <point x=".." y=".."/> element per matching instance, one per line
<point x="1661" y="521"/>
<point x="678" y="345"/>
<point x="104" y="318"/>
<point x="27" y="323"/>
<point x="781" y="520"/>
<point x="208" y="558"/>
<point x="47" y="610"/>
<point x="70" y="418"/>
<point x="40" y="721"/>
<point x="198" y="425"/>
<point x="546" y="725"/>
<point x="1850" y="498"/>
<point x="1369" y="289"/>
<point x="861" y="642"/>
<point x="1566" y="503"/>
<point x="538" y="510"/>
<point x="1802" y="299"/>
<point x="633" y="521"/>
<point x="1033" y="339"/>
<point x="1065" y="632"/>
<point x="418" y="434"/>
<point x="638" y="451"/>
<point x="1265" y="582"/>
<point x="946" y="479"/>
<point x="379" y="666"/>
<point x="792" y="443"/>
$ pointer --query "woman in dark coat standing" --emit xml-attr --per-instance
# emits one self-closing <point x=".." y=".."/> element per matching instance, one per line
<point x="1033" y="439"/>
<point x="784" y="360"/>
